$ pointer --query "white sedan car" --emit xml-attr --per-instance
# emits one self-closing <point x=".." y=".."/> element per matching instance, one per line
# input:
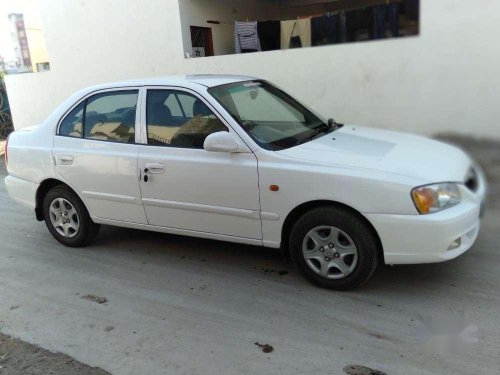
<point x="235" y="158"/>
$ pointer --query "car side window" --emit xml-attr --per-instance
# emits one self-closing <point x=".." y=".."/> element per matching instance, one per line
<point x="110" y="116"/>
<point x="178" y="119"/>
<point x="174" y="106"/>
<point x="72" y="125"/>
<point x="187" y="102"/>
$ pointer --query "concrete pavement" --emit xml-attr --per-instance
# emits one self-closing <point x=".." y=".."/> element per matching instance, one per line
<point x="178" y="305"/>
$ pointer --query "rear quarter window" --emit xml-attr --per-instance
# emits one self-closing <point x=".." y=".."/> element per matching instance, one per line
<point x="72" y="125"/>
<point x="108" y="116"/>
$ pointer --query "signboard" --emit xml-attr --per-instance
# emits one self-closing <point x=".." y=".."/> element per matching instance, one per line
<point x="23" y="42"/>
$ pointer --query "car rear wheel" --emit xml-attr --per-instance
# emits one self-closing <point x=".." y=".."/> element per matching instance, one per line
<point x="67" y="218"/>
<point x="334" y="248"/>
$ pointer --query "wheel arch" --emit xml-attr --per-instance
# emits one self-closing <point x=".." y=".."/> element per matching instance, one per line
<point x="43" y="189"/>
<point x="301" y="209"/>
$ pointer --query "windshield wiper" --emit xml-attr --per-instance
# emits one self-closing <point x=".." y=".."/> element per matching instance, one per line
<point x="334" y="124"/>
<point x="321" y="129"/>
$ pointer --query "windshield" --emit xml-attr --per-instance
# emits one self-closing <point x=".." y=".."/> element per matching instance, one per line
<point x="271" y="117"/>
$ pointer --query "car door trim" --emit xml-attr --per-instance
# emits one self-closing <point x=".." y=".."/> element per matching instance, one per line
<point x="269" y="216"/>
<point x="139" y="128"/>
<point x="187" y="206"/>
<point x="185" y="232"/>
<point x="111" y="197"/>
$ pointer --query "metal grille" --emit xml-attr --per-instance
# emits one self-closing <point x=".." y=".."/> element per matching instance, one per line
<point x="198" y="37"/>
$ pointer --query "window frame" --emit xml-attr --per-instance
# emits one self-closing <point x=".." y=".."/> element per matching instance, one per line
<point x="144" y="124"/>
<point x="89" y="95"/>
<point x="246" y="142"/>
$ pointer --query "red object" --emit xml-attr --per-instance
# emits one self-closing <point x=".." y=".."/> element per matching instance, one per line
<point x="274" y="187"/>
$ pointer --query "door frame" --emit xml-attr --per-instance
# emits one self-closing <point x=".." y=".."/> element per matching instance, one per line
<point x="200" y="207"/>
<point x="142" y="121"/>
<point x="84" y="195"/>
<point x="209" y="48"/>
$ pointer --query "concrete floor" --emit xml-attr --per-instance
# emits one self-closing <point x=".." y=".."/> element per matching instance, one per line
<point x="187" y="306"/>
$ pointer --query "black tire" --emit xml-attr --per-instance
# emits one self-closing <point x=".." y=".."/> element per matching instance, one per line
<point x="361" y="234"/>
<point x="87" y="230"/>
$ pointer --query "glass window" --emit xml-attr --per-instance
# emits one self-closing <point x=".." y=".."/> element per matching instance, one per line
<point x="72" y="125"/>
<point x="184" y="125"/>
<point x="257" y="104"/>
<point x="110" y="116"/>
<point x="187" y="102"/>
<point x="174" y="106"/>
<point x="270" y="116"/>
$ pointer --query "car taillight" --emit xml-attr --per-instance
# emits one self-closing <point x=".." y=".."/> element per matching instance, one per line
<point x="7" y="152"/>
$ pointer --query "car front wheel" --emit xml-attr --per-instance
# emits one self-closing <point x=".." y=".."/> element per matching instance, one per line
<point x="67" y="218"/>
<point x="334" y="248"/>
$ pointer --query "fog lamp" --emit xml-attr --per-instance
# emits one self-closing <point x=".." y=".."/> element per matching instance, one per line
<point x="455" y="244"/>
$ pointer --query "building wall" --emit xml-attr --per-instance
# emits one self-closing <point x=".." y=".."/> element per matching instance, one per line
<point x="446" y="79"/>
<point x="37" y="45"/>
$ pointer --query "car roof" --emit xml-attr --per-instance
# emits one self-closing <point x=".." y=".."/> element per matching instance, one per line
<point x="186" y="81"/>
<point x="207" y="80"/>
<point x="211" y="80"/>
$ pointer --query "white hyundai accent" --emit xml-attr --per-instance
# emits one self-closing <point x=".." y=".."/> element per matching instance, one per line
<point x="235" y="158"/>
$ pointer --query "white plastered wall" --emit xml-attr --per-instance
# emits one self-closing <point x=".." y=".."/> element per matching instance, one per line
<point x="446" y="79"/>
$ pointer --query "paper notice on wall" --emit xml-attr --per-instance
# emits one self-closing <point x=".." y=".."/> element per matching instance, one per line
<point x="198" y="52"/>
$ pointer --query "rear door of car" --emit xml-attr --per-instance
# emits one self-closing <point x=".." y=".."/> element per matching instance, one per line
<point x="95" y="151"/>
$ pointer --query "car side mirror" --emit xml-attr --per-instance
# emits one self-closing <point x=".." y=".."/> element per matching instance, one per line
<point x="221" y="142"/>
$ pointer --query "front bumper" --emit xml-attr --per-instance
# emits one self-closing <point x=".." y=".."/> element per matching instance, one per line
<point x="414" y="239"/>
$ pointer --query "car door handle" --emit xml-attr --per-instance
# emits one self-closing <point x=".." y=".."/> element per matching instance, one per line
<point x="65" y="159"/>
<point x="154" y="168"/>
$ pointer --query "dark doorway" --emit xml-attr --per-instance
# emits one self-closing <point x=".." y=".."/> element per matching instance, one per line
<point x="201" y="38"/>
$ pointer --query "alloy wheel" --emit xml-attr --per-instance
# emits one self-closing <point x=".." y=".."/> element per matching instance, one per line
<point x="330" y="252"/>
<point x="64" y="218"/>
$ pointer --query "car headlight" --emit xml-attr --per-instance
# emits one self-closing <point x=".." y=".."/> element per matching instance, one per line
<point x="437" y="197"/>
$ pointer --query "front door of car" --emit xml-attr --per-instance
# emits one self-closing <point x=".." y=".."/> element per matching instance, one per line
<point x="183" y="185"/>
<point x="96" y="153"/>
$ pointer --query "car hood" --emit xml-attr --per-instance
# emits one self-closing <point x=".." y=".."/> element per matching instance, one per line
<point x="385" y="151"/>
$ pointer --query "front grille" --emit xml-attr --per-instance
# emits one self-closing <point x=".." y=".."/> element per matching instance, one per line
<point x="471" y="180"/>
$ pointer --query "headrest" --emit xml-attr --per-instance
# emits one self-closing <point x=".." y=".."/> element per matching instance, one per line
<point x="162" y="110"/>
<point x="200" y="109"/>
